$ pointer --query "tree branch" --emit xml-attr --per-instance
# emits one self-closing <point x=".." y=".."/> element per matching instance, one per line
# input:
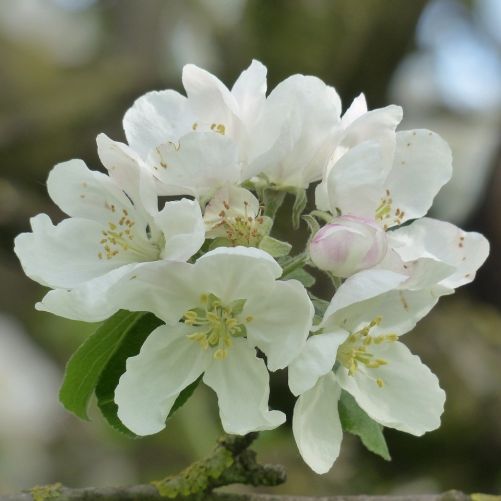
<point x="229" y="463"/>
<point x="149" y="493"/>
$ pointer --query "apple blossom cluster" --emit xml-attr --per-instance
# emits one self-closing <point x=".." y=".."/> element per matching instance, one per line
<point x="231" y="302"/>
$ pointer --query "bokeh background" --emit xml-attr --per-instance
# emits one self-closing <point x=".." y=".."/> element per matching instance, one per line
<point x="69" y="69"/>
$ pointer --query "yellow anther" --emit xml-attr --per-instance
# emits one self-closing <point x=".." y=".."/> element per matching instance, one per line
<point x="249" y="318"/>
<point x="380" y="382"/>
<point x="220" y="354"/>
<point x="357" y="348"/>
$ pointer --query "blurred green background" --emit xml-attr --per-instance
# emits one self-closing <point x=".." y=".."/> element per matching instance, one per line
<point x="69" y="70"/>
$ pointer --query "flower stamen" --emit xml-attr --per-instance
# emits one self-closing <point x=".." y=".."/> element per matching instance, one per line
<point x="218" y="324"/>
<point x="356" y="349"/>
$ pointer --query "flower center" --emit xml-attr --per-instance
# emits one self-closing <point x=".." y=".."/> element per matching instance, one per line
<point x="356" y="349"/>
<point x="121" y="235"/>
<point x="218" y="323"/>
<point x="384" y="212"/>
<point x="242" y="229"/>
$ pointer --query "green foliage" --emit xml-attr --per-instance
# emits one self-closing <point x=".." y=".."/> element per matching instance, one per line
<point x="85" y="367"/>
<point x="100" y="361"/>
<point x="357" y="422"/>
<point x="132" y="338"/>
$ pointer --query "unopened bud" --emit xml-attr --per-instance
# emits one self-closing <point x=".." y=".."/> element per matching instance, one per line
<point x="347" y="245"/>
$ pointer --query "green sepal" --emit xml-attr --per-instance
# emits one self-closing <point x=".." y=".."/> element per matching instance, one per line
<point x="298" y="207"/>
<point x="312" y="223"/>
<point x="86" y="365"/>
<point x="272" y="201"/>
<point x="300" y="274"/>
<point x="219" y="242"/>
<point x="320" y="306"/>
<point x="274" y="247"/>
<point x="323" y="215"/>
<point x="356" y="421"/>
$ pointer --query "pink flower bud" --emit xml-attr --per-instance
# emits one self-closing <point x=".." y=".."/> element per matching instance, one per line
<point x="347" y="245"/>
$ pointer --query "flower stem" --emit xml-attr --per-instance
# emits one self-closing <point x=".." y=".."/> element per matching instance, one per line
<point x="296" y="262"/>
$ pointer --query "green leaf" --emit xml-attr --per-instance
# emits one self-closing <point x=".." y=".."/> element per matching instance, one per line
<point x="184" y="396"/>
<point x="299" y="205"/>
<point x="357" y="422"/>
<point x="274" y="247"/>
<point x="84" y="368"/>
<point x="130" y="344"/>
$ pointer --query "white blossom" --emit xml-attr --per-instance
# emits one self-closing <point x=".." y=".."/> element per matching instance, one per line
<point x="217" y="311"/>
<point x="358" y="351"/>
<point x="114" y="226"/>
<point x="235" y="215"/>
<point x="215" y="135"/>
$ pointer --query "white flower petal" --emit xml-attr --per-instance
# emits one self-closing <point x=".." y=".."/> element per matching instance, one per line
<point x="316" y="360"/>
<point x="167" y="363"/>
<point x="463" y="251"/>
<point x="65" y="255"/>
<point x="282" y="315"/>
<point x="410" y="399"/>
<point x="357" y="108"/>
<point x="293" y="141"/>
<point x="422" y="165"/>
<point x="233" y="201"/>
<point x="167" y="289"/>
<point x="354" y="184"/>
<point x="398" y="310"/>
<point x="90" y="301"/>
<point x="199" y="165"/>
<point x="378" y="126"/>
<point x="362" y="286"/>
<point x="126" y="168"/>
<point x="183" y="228"/>
<point x="250" y="91"/>
<point x="209" y="98"/>
<point x="316" y="424"/>
<point x="241" y="382"/>
<point x="426" y="272"/>
<point x="156" y="118"/>
<point x="80" y="192"/>
<point x="236" y="272"/>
